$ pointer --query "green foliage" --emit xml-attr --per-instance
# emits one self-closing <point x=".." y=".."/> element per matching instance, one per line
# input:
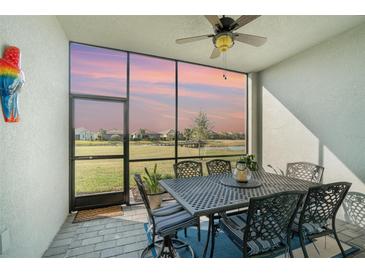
<point x="101" y="134"/>
<point x="188" y="134"/>
<point x="249" y="161"/>
<point x="152" y="180"/>
<point x="115" y="138"/>
<point x="202" y="127"/>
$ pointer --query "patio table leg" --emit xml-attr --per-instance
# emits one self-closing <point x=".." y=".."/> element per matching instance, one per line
<point x="213" y="231"/>
<point x="210" y="225"/>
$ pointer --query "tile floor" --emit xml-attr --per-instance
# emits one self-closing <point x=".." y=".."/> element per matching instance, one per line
<point x="124" y="236"/>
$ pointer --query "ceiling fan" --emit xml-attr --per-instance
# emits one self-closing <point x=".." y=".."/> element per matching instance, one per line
<point x="224" y="37"/>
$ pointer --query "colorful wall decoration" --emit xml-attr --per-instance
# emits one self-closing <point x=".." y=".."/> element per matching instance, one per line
<point x="11" y="80"/>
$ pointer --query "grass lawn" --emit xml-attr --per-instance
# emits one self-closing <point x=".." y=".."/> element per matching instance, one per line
<point x="94" y="176"/>
<point x="83" y="148"/>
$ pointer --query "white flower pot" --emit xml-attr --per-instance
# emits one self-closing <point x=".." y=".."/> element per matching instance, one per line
<point x="155" y="200"/>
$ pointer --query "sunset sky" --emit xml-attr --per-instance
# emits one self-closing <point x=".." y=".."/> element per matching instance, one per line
<point x="152" y="91"/>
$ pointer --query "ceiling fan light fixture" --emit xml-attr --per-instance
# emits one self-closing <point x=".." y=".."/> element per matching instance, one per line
<point x="223" y="37"/>
<point x="223" y="42"/>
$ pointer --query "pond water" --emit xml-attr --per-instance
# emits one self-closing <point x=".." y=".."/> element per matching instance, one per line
<point x="233" y="148"/>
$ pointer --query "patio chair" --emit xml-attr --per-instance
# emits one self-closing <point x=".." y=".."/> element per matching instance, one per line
<point x="265" y="230"/>
<point x="165" y="221"/>
<point x="305" y="171"/>
<point x="188" y="169"/>
<point x="354" y="205"/>
<point x="277" y="171"/>
<point x="317" y="217"/>
<point x="219" y="166"/>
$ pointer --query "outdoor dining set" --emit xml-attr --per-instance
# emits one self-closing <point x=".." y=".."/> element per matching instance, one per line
<point x="260" y="217"/>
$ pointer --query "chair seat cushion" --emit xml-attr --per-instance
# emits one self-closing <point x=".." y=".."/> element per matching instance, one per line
<point x="169" y="224"/>
<point x="234" y="227"/>
<point x="310" y="227"/>
<point x="168" y="209"/>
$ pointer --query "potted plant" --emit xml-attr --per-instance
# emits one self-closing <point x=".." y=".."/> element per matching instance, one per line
<point x="244" y="166"/>
<point x="154" y="190"/>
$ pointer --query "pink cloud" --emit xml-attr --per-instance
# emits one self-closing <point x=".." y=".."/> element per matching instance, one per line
<point x="228" y="98"/>
<point x="115" y="63"/>
<point x="112" y="74"/>
<point x="153" y="83"/>
<point x="100" y="84"/>
<point x="198" y="94"/>
<point x="95" y="68"/>
<point x="155" y="76"/>
<point x="151" y="104"/>
<point x="236" y="115"/>
<point x="195" y="74"/>
<point x="146" y="88"/>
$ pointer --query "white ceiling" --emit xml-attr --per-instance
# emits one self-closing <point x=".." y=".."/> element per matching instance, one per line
<point x="156" y="35"/>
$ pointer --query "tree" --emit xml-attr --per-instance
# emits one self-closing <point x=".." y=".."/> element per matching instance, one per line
<point x="102" y="133"/>
<point x="188" y="134"/>
<point x="115" y="137"/>
<point x="202" y="128"/>
<point x="142" y="133"/>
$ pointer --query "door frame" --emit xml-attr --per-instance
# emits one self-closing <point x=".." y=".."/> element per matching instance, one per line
<point x="99" y="199"/>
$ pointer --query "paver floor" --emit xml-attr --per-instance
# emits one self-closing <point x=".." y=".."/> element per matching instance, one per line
<point x="124" y="236"/>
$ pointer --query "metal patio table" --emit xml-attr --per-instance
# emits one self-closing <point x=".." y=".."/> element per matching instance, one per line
<point x="207" y="195"/>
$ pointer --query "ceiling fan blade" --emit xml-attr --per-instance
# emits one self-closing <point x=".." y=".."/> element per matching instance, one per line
<point x="193" y="39"/>
<point x="243" y="20"/>
<point x="215" y="53"/>
<point x="252" y="40"/>
<point x="214" y="20"/>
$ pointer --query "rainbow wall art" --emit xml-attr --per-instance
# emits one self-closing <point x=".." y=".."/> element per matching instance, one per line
<point x="11" y="80"/>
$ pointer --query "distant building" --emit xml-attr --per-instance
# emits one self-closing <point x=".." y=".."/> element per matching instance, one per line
<point x="214" y="135"/>
<point x="138" y="134"/>
<point x="152" y="135"/>
<point x="168" y="134"/>
<point x="112" y="135"/>
<point x="84" y="134"/>
<point x="145" y="134"/>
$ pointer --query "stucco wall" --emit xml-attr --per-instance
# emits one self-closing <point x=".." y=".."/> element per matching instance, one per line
<point x="313" y="109"/>
<point x="34" y="152"/>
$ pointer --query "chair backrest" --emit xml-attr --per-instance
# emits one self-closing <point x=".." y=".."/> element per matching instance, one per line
<point x="322" y="203"/>
<point x="143" y="193"/>
<point x="305" y="171"/>
<point x="219" y="166"/>
<point x="271" y="217"/>
<point x="277" y="170"/>
<point x="187" y="169"/>
<point x="354" y="205"/>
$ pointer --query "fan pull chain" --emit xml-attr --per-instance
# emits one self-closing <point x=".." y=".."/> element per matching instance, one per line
<point x="224" y="57"/>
